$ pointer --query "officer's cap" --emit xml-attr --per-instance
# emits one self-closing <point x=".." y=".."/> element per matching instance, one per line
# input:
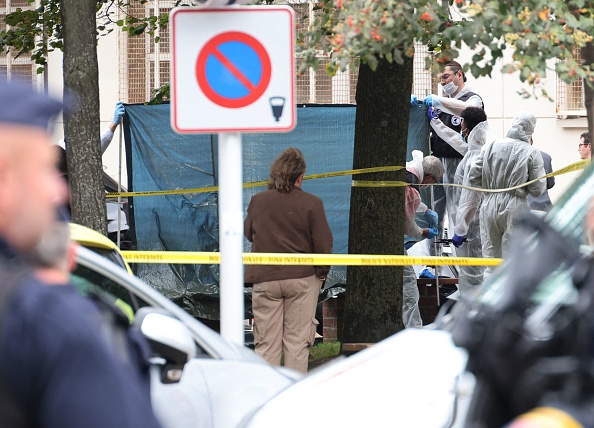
<point x="21" y="105"/>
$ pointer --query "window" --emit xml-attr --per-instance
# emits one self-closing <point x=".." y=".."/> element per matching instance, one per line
<point x="570" y="97"/>
<point x="19" y="69"/>
<point x="144" y="65"/>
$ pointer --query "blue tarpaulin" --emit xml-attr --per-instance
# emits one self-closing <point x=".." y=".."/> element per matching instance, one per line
<point x="160" y="159"/>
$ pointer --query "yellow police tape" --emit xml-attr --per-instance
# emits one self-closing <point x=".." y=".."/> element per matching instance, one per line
<point x="570" y="168"/>
<point x="253" y="183"/>
<point x="190" y="257"/>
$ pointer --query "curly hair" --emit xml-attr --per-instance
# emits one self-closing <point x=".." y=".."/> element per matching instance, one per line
<point x="286" y="169"/>
<point x="473" y="116"/>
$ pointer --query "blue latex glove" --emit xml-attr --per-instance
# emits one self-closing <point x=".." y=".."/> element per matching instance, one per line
<point x="426" y="273"/>
<point x="432" y="101"/>
<point x="119" y="112"/>
<point x="431" y="218"/>
<point x="458" y="240"/>
<point x="414" y="101"/>
<point x="432" y="232"/>
<point x="431" y="114"/>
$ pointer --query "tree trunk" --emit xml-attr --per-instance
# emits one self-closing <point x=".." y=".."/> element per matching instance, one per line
<point x="81" y="125"/>
<point x="373" y="308"/>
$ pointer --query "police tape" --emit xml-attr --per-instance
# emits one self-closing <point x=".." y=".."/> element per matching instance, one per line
<point x="191" y="257"/>
<point x="570" y="168"/>
<point x="253" y="183"/>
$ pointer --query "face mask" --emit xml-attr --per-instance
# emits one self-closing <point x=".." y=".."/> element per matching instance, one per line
<point x="450" y="88"/>
<point x="462" y="135"/>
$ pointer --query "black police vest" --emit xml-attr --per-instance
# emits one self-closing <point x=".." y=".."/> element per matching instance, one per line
<point x="440" y="148"/>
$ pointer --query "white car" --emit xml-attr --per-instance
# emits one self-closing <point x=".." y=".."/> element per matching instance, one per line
<point x="414" y="378"/>
<point x="199" y="379"/>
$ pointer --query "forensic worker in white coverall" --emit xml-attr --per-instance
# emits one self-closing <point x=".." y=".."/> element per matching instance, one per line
<point x="503" y="164"/>
<point x="467" y="233"/>
<point x="420" y="171"/>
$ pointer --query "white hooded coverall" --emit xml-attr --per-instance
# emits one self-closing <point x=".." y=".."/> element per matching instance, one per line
<point x="502" y="164"/>
<point x="468" y="203"/>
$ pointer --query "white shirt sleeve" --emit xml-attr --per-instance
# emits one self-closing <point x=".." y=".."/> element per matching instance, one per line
<point x="456" y="107"/>
<point x="106" y="137"/>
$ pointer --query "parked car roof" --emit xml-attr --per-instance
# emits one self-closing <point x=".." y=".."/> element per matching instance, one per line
<point x="99" y="243"/>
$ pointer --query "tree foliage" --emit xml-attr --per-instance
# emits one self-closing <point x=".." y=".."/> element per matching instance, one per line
<point x="536" y="31"/>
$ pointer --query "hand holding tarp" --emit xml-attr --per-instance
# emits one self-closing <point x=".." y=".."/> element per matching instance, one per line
<point x="119" y="112"/>
<point x="432" y="101"/>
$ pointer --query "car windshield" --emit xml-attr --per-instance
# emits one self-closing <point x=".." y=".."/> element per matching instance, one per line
<point x="87" y="281"/>
<point x="555" y="286"/>
<point x="109" y="254"/>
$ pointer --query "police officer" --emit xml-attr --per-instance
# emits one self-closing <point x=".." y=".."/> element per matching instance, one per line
<point x="446" y="125"/>
<point x="55" y="371"/>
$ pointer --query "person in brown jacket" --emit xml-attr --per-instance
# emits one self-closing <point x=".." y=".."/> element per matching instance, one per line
<point x="285" y="219"/>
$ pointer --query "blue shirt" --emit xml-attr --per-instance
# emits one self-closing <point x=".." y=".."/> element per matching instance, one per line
<point x="56" y="366"/>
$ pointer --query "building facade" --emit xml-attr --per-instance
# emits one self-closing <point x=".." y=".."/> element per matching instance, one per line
<point x="131" y="68"/>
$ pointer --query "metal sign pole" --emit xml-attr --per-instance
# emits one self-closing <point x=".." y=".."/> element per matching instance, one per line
<point x="231" y="236"/>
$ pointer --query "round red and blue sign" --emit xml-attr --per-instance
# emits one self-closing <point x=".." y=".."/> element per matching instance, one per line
<point x="233" y="69"/>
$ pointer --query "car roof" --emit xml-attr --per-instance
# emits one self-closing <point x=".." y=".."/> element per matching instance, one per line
<point x="92" y="239"/>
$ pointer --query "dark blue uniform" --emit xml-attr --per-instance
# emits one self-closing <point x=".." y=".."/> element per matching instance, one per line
<point x="57" y="368"/>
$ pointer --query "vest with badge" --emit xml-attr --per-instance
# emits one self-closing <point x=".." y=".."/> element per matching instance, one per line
<point x="440" y="148"/>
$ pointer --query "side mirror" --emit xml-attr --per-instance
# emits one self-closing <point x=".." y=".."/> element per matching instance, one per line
<point x="169" y="340"/>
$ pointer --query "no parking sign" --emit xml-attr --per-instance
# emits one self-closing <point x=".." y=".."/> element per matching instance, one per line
<point x="233" y="69"/>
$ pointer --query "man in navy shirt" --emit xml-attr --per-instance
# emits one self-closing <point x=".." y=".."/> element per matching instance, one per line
<point x="55" y="370"/>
